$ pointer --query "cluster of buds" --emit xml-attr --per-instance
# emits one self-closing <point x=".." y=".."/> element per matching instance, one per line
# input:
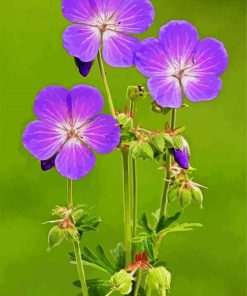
<point x="185" y="191"/>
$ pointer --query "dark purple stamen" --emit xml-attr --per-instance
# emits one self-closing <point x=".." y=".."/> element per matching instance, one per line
<point x="181" y="157"/>
<point x="83" y="67"/>
<point x="48" y="163"/>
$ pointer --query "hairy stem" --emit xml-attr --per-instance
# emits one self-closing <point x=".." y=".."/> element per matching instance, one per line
<point x="164" y="200"/>
<point x="105" y="83"/>
<point x="76" y="243"/>
<point x="127" y="213"/>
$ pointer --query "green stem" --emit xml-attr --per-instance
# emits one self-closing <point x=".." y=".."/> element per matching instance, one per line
<point x="104" y="79"/>
<point x="127" y="214"/>
<point x="138" y="282"/>
<point x="148" y="291"/>
<point x="76" y="243"/>
<point x="134" y="181"/>
<point x="164" y="200"/>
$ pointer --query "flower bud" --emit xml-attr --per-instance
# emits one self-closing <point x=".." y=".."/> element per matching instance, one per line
<point x="55" y="237"/>
<point x="135" y="93"/>
<point x="185" y="197"/>
<point x="159" y="278"/>
<point x="158" y="142"/>
<point x="197" y="195"/>
<point x="173" y="194"/>
<point x="83" y="67"/>
<point x="181" y="156"/>
<point x="48" y="163"/>
<point x="158" y="109"/>
<point x="122" y="282"/>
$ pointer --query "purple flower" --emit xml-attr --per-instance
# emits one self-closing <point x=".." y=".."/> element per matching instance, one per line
<point x="83" y="67"/>
<point x="106" y="23"/>
<point x="181" y="156"/>
<point x="68" y="128"/>
<point x="179" y="60"/>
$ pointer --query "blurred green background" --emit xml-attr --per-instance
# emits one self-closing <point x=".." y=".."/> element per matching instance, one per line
<point x="207" y="261"/>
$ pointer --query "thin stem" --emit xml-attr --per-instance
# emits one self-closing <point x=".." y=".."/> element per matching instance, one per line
<point x="134" y="181"/>
<point x="77" y="250"/>
<point x="138" y="281"/>
<point x="104" y="79"/>
<point x="127" y="214"/>
<point x="164" y="200"/>
<point x="148" y="291"/>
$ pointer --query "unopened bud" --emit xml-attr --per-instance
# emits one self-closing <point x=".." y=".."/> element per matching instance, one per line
<point x="159" y="278"/>
<point x="173" y="194"/>
<point x="197" y="195"/>
<point x="182" y="156"/>
<point x="185" y="197"/>
<point x="83" y="67"/>
<point x="122" y="282"/>
<point x="135" y="93"/>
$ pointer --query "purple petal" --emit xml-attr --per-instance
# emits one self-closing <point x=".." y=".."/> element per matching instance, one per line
<point x="48" y="163"/>
<point x="82" y="41"/>
<point x="74" y="160"/>
<point x="42" y="140"/>
<point x="134" y="16"/>
<point x="166" y="91"/>
<point x="150" y="59"/>
<point x="201" y="88"/>
<point x="51" y="105"/>
<point x="181" y="157"/>
<point x="179" y="39"/>
<point x="86" y="101"/>
<point x="102" y="134"/>
<point x="83" y="67"/>
<point x="118" y="49"/>
<point x="78" y="11"/>
<point x="210" y="57"/>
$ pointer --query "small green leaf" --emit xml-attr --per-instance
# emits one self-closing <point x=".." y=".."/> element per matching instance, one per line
<point x="197" y="195"/>
<point x="158" y="142"/>
<point x="118" y="254"/>
<point x="55" y="237"/>
<point x="164" y="223"/>
<point x="185" y="197"/>
<point x="145" y="224"/>
<point x="102" y="256"/>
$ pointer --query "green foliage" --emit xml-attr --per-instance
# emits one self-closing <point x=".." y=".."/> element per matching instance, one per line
<point x="118" y="255"/>
<point x="96" y="287"/>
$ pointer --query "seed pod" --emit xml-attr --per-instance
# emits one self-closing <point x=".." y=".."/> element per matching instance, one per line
<point x="173" y="194"/>
<point x="197" y="195"/>
<point x="185" y="197"/>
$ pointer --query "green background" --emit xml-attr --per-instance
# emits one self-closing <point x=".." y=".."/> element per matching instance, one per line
<point x="207" y="261"/>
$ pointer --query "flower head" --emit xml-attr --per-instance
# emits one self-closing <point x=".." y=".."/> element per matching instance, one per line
<point x="181" y="156"/>
<point x="68" y="128"/>
<point x="179" y="60"/>
<point x="108" y="22"/>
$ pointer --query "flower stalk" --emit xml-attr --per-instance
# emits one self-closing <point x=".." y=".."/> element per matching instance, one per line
<point x="105" y="83"/>
<point x="76" y="243"/>
<point x="164" y="200"/>
<point x="127" y="209"/>
<point x="138" y="281"/>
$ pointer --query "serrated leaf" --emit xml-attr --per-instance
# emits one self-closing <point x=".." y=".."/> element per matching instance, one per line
<point x="118" y="253"/>
<point x="158" y="142"/>
<point x="165" y="222"/>
<point x="102" y="256"/>
<point x="180" y="228"/>
<point x="145" y="224"/>
<point x="55" y="237"/>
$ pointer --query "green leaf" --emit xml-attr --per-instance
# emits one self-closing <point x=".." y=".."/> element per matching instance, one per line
<point x="180" y="228"/>
<point x="55" y="237"/>
<point x="84" y="221"/>
<point x="164" y="223"/>
<point x="102" y="256"/>
<point x="185" y="198"/>
<point x="145" y="224"/>
<point x="118" y="254"/>
<point x="158" y="142"/>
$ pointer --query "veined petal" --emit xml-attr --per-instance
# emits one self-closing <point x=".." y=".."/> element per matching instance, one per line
<point x="179" y="39"/>
<point x="86" y="103"/>
<point x="118" y="49"/>
<point x="74" y="161"/>
<point x="201" y="88"/>
<point x="134" y="16"/>
<point x="82" y="41"/>
<point x="102" y="133"/>
<point x="210" y="58"/>
<point x="166" y="91"/>
<point x="78" y="11"/>
<point x="51" y="105"/>
<point x="151" y="60"/>
<point x="42" y="140"/>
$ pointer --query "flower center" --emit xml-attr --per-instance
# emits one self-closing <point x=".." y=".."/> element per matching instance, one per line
<point x="107" y="22"/>
<point x="71" y="134"/>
